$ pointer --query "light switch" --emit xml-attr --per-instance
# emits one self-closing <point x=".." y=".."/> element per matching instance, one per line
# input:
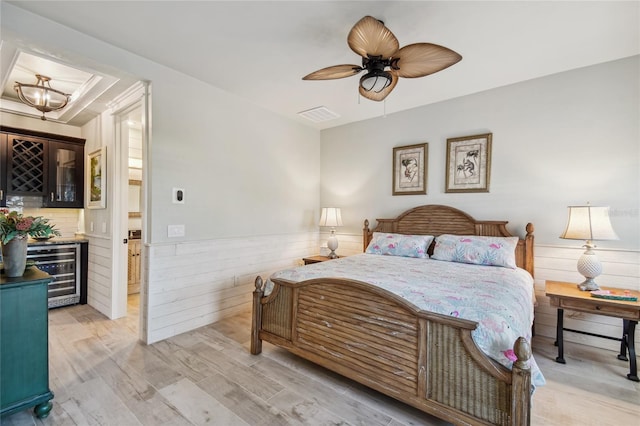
<point x="178" y="196"/>
<point x="175" y="231"/>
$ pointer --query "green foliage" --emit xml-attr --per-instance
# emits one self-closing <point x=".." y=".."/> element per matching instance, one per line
<point x="14" y="224"/>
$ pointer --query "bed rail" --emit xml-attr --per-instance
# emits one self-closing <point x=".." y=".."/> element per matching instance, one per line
<point x="376" y="338"/>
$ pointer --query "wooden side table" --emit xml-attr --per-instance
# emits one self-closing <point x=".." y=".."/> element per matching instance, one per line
<point x="316" y="259"/>
<point x="567" y="296"/>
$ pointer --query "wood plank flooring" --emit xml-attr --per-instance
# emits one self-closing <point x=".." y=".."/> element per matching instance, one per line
<point x="101" y="375"/>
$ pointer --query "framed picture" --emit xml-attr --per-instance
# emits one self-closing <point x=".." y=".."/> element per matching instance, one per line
<point x="468" y="164"/>
<point x="96" y="194"/>
<point x="410" y="169"/>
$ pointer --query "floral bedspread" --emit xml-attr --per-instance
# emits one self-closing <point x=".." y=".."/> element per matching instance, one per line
<point x="499" y="299"/>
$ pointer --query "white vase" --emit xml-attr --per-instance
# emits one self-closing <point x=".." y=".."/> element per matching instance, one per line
<point x="14" y="256"/>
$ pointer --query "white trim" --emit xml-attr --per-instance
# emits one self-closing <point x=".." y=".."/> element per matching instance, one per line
<point x="582" y="248"/>
<point x="100" y="237"/>
<point x="127" y="98"/>
<point x="136" y="97"/>
<point x="146" y="209"/>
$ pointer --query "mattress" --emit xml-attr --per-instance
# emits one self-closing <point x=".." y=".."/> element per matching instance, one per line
<point x="499" y="299"/>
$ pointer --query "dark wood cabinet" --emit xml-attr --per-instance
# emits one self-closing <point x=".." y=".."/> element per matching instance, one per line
<point x="66" y="175"/>
<point x="27" y="163"/>
<point x="24" y="350"/>
<point x="42" y="165"/>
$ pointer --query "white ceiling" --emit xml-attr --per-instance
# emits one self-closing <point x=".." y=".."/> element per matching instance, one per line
<point x="260" y="50"/>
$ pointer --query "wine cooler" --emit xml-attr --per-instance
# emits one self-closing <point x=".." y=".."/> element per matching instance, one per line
<point x="61" y="261"/>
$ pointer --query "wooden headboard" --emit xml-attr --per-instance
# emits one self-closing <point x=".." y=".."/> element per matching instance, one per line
<point x="436" y="220"/>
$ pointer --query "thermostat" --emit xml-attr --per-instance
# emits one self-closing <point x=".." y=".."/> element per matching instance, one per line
<point x="178" y="196"/>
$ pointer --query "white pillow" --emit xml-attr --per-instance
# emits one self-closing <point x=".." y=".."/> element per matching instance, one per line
<point x="399" y="245"/>
<point x="493" y="251"/>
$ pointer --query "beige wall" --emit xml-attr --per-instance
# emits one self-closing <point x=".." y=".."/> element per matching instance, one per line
<point x="252" y="178"/>
<point x="251" y="181"/>
<point x="560" y="140"/>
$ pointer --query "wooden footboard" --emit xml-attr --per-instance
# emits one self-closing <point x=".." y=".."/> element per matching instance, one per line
<point x="372" y="336"/>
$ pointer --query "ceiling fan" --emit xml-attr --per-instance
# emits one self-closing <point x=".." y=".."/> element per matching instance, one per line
<point x="385" y="61"/>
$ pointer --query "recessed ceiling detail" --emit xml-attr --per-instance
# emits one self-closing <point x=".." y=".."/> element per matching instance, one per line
<point x="84" y="86"/>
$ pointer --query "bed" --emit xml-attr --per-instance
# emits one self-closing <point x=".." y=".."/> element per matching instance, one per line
<point x="376" y="337"/>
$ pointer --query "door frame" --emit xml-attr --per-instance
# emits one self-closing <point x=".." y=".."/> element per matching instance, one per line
<point x="137" y="96"/>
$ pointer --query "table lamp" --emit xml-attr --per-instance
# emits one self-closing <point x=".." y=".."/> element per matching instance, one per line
<point x="330" y="216"/>
<point x="589" y="223"/>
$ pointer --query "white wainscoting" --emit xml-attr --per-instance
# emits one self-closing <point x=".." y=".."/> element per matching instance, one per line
<point x="196" y="283"/>
<point x="192" y="284"/>
<point x="99" y="274"/>
<point x="348" y="244"/>
<point x="621" y="269"/>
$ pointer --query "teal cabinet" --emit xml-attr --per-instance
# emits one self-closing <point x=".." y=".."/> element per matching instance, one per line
<point x="24" y="343"/>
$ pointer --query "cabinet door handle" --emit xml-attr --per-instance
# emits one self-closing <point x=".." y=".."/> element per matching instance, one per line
<point x="52" y="197"/>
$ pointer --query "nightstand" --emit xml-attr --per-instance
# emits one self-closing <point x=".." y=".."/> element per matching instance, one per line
<point x="316" y="259"/>
<point x="567" y="296"/>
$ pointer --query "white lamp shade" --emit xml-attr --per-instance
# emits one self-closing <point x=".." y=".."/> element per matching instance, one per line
<point x="330" y="216"/>
<point x="589" y="223"/>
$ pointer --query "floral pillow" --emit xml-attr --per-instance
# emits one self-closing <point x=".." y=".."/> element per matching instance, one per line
<point x="399" y="244"/>
<point x="492" y="251"/>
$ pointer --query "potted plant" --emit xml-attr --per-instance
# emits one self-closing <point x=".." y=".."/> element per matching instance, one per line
<point x="15" y="229"/>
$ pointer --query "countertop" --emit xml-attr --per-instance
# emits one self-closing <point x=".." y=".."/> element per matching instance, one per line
<point x="57" y="240"/>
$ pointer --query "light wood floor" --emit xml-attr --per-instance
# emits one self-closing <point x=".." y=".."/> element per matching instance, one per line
<point x="101" y="375"/>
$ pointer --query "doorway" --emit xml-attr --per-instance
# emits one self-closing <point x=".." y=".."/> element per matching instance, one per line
<point x="130" y="215"/>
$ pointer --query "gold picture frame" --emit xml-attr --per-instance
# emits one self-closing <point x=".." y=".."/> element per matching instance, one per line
<point x="410" y="169"/>
<point x="96" y="192"/>
<point x="468" y="167"/>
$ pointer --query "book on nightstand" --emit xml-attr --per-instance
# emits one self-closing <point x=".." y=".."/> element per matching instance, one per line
<point x="608" y="294"/>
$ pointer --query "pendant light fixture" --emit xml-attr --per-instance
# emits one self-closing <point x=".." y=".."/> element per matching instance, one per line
<point x="41" y="95"/>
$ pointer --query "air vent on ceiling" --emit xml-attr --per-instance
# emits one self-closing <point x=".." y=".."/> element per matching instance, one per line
<point x="319" y="114"/>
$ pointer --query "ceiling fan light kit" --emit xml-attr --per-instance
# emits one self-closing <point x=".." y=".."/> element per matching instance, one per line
<point x="41" y="95"/>
<point x="385" y="61"/>
<point x="375" y="80"/>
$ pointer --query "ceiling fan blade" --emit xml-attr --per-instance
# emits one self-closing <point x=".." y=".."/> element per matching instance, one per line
<point x="369" y="37"/>
<point x="333" y="72"/>
<point x="379" y="96"/>
<point x="420" y="59"/>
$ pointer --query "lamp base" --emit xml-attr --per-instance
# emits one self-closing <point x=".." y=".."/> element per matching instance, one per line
<point x="588" y="285"/>
<point x="589" y="267"/>
<point x="332" y="244"/>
